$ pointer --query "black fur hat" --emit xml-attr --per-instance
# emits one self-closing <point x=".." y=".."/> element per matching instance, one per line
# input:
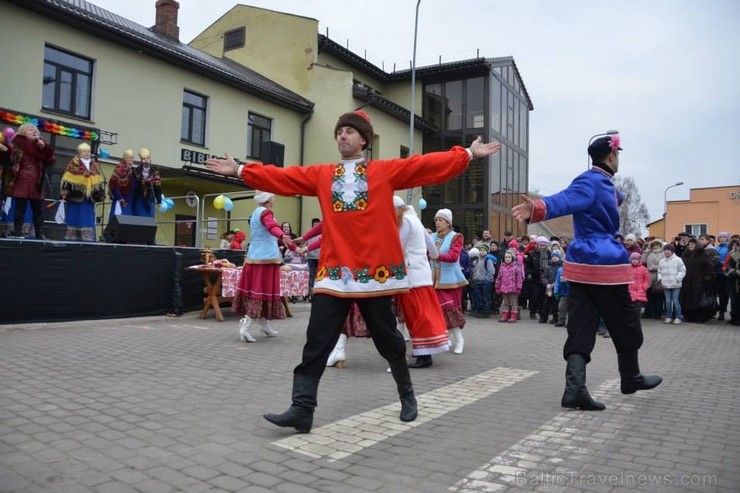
<point x="360" y="121"/>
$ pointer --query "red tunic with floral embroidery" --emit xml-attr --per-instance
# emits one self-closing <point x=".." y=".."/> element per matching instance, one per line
<point x="361" y="252"/>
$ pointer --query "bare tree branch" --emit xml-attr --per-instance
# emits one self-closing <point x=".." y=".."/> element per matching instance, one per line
<point x="633" y="213"/>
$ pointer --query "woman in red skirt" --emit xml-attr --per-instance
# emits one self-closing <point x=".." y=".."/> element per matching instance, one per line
<point x="258" y="295"/>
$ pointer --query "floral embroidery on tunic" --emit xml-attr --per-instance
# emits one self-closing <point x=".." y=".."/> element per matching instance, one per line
<point x="349" y="193"/>
<point x="380" y="273"/>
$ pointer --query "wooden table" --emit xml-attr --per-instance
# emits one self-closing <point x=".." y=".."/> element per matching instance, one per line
<point x="221" y="284"/>
<point x="212" y="278"/>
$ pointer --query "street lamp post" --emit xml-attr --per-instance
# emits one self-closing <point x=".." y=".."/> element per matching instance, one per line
<point x="410" y="193"/>
<point x="608" y="132"/>
<point x="665" y="197"/>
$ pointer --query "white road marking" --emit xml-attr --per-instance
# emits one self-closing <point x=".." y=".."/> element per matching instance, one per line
<point x="343" y="438"/>
<point x="540" y="459"/>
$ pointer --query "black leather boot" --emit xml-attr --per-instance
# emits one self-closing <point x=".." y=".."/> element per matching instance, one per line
<point x="632" y="379"/>
<point x="423" y="361"/>
<point x="400" y="371"/>
<point x="576" y="394"/>
<point x="38" y="225"/>
<point x="300" y="414"/>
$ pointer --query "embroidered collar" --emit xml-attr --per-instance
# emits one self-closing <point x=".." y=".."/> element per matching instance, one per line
<point x="349" y="190"/>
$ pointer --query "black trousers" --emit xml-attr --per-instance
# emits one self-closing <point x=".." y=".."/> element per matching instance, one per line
<point x="37" y="207"/>
<point x="328" y="314"/>
<point x="586" y="304"/>
<point x="721" y="287"/>
<point x="536" y="296"/>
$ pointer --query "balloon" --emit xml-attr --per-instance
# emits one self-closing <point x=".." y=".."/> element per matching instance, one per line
<point x="170" y="203"/>
<point x="104" y="153"/>
<point x="163" y="198"/>
<point x="219" y="201"/>
<point x="163" y="207"/>
<point x="8" y="132"/>
<point x="228" y="204"/>
<point x="422" y="204"/>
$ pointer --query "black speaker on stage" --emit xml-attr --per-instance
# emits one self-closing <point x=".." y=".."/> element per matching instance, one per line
<point x="131" y="229"/>
<point x="272" y="153"/>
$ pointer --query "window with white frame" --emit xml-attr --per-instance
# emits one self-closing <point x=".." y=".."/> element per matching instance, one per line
<point x="696" y="229"/>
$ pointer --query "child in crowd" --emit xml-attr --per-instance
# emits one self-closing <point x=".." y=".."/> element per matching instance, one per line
<point x="482" y="275"/>
<point x="560" y="291"/>
<point x="550" y="304"/>
<point x="638" y="289"/>
<point x="509" y="286"/>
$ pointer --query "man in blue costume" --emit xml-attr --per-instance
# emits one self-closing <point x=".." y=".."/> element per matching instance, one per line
<point x="598" y="268"/>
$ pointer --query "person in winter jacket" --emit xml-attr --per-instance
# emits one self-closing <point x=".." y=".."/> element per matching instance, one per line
<point x="638" y="289"/>
<point x="536" y="264"/>
<point x="560" y="291"/>
<point x="731" y="266"/>
<point x="238" y="242"/>
<point x="671" y="272"/>
<point x="549" y="303"/>
<point x="509" y="285"/>
<point x="482" y="276"/>
<point x="656" y="301"/>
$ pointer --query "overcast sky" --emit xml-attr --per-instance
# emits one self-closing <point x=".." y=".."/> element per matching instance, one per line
<point x="665" y="73"/>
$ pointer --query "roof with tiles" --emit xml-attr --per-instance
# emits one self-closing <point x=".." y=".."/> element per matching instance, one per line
<point x="114" y="28"/>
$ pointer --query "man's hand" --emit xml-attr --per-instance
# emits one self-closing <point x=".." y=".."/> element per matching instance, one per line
<point x="523" y="211"/>
<point x="226" y="167"/>
<point x="123" y="203"/>
<point x="479" y="149"/>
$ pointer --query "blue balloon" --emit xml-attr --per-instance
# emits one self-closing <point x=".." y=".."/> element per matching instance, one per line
<point x="228" y="204"/>
<point x="104" y="153"/>
<point x="170" y="203"/>
<point x="422" y="204"/>
<point x="163" y="207"/>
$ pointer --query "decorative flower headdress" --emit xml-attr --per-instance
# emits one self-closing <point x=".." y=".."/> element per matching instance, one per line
<point x="614" y="142"/>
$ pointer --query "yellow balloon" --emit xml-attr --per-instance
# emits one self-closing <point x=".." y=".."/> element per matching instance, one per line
<point x="219" y="202"/>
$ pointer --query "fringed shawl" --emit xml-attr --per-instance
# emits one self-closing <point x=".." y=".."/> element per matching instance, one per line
<point x="86" y="181"/>
<point x="121" y="179"/>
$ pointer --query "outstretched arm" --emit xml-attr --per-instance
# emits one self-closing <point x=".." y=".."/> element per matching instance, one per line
<point x="293" y="180"/>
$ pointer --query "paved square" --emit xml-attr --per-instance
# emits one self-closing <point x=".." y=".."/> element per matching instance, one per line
<point x="175" y="405"/>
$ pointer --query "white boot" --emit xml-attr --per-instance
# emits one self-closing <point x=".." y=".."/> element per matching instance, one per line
<point x="244" y="325"/>
<point x="404" y="331"/>
<point x="459" y="341"/>
<point x="451" y="338"/>
<point x="266" y="328"/>
<point x="336" y="358"/>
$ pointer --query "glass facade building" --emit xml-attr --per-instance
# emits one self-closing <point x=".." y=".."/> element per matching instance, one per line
<point x="464" y="100"/>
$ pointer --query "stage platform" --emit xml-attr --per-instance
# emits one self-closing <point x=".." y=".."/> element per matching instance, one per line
<point x="52" y="281"/>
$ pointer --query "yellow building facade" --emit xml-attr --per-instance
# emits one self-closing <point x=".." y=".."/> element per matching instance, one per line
<point x="709" y="210"/>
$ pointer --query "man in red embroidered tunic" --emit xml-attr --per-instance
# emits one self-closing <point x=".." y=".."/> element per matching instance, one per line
<point x="356" y="197"/>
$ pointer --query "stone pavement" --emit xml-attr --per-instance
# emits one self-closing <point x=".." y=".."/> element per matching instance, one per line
<point x="175" y="405"/>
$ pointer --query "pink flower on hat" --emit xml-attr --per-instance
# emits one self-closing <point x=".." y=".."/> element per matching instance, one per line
<point x="614" y="142"/>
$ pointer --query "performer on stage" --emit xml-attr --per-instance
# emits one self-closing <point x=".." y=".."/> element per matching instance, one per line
<point x="361" y="258"/>
<point x="148" y="190"/>
<point x="258" y="295"/>
<point x="122" y="185"/>
<point x="598" y="269"/>
<point x="82" y="186"/>
<point x="31" y="157"/>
